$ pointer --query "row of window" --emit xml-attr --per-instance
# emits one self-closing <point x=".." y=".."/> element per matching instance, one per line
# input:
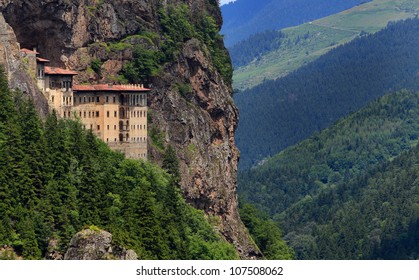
<point x="138" y="139"/>
<point x="54" y="84"/>
<point x="123" y="127"/>
<point x="96" y="114"/>
<point x="133" y="100"/>
<point x="132" y="139"/>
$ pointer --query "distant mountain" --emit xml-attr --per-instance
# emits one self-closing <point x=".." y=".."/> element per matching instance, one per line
<point x="243" y="18"/>
<point x="267" y="56"/>
<point x="348" y="192"/>
<point x="277" y="114"/>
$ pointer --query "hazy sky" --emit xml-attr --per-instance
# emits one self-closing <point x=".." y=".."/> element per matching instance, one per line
<point x="222" y="2"/>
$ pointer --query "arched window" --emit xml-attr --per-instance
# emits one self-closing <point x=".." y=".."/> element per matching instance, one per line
<point x="121" y="137"/>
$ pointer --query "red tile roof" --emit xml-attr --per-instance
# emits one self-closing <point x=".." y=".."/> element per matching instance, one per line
<point x="42" y="59"/>
<point x="58" y="71"/>
<point x="107" y="87"/>
<point x="28" y="51"/>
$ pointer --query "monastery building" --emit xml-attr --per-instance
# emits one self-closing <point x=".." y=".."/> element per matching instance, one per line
<point x="115" y="113"/>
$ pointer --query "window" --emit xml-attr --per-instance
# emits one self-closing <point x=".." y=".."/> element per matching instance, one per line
<point x="80" y="99"/>
<point x="107" y="99"/>
<point x="84" y="113"/>
<point x="115" y="114"/>
<point x="107" y="139"/>
<point x="98" y="127"/>
<point x="114" y="99"/>
<point x="107" y="114"/>
<point x="80" y="114"/>
<point x="90" y="115"/>
<point x="97" y="114"/>
<point x="107" y="127"/>
<point x="84" y="99"/>
<point x="91" y="126"/>
<point x="114" y="127"/>
<point x="52" y="99"/>
<point x="97" y="98"/>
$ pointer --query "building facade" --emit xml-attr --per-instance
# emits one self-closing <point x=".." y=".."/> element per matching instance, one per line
<point x="117" y="114"/>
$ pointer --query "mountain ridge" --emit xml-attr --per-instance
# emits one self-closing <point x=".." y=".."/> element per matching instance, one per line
<point x="280" y="113"/>
<point x="305" y="43"/>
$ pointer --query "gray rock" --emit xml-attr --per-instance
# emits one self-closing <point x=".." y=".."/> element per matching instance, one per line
<point x="90" y="244"/>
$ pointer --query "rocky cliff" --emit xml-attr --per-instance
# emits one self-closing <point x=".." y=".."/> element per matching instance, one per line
<point x="199" y="122"/>
<point x="15" y="70"/>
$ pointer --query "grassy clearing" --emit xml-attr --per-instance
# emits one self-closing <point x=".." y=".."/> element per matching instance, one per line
<point x="307" y="42"/>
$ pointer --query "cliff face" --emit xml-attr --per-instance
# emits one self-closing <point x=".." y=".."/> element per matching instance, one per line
<point x="15" y="70"/>
<point x="199" y="124"/>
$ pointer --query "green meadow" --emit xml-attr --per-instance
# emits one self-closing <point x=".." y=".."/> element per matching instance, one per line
<point x="304" y="43"/>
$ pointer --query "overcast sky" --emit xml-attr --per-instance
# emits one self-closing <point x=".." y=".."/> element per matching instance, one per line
<point x="222" y="2"/>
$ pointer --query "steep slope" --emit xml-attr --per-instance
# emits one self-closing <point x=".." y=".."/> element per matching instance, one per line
<point x="326" y="190"/>
<point x="302" y="44"/>
<point x="191" y="102"/>
<point x="243" y="18"/>
<point x="281" y="113"/>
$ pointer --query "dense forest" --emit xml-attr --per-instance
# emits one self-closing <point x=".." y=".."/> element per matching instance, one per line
<point x="57" y="178"/>
<point x="280" y="113"/>
<point x="373" y="216"/>
<point x="243" y="18"/>
<point x="255" y="46"/>
<point x="351" y="190"/>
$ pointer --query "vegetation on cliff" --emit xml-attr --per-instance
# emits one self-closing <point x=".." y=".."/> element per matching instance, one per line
<point x="56" y="178"/>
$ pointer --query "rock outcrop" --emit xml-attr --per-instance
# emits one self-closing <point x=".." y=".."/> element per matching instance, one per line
<point x="15" y="69"/>
<point x="200" y="124"/>
<point x="91" y="244"/>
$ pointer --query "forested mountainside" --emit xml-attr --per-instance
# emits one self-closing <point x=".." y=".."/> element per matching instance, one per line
<point x="350" y="191"/>
<point x="277" y="114"/>
<point x="175" y="48"/>
<point x="57" y="178"/>
<point x="373" y="216"/>
<point x="243" y="18"/>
